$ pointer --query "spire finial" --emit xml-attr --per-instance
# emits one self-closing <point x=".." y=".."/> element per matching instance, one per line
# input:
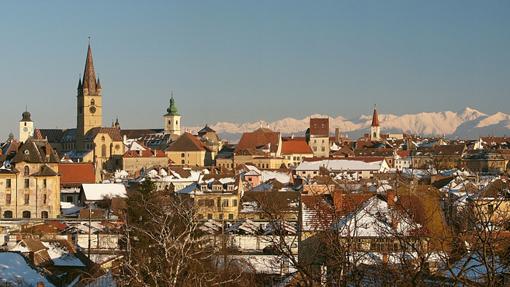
<point x="89" y="40"/>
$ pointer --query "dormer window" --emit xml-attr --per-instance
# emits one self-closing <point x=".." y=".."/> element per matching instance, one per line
<point x="203" y="187"/>
<point x="217" y="187"/>
<point x="230" y="187"/>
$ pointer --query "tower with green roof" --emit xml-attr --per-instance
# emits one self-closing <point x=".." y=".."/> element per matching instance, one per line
<point x="172" y="119"/>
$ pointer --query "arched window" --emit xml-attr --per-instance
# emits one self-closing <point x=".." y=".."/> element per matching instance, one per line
<point x="26" y="170"/>
<point x="44" y="214"/>
<point x="26" y="214"/>
<point x="92" y="102"/>
<point x="7" y="214"/>
<point x="103" y="150"/>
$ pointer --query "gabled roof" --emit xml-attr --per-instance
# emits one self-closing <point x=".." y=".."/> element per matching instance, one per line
<point x="292" y="146"/>
<point x="75" y="174"/>
<point x="186" y="143"/>
<point x="259" y="138"/>
<point x="35" y="151"/>
<point x="45" y="171"/>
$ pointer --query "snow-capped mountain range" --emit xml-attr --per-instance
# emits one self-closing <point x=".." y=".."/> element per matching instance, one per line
<point x="467" y="123"/>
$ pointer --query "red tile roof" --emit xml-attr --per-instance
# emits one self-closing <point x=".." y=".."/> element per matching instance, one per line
<point x="293" y="146"/>
<point x="185" y="143"/>
<point x="319" y="127"/>
<point x="74" y="174"/>
<point x="258" y="138"/>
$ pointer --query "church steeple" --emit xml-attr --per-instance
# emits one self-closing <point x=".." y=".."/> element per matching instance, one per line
<point x="375" y="129"/>
<point x="375" y="118"/>
<point x="172" y="119"/>
<point x="89" y="101"/>
<point x="89" y="74"/>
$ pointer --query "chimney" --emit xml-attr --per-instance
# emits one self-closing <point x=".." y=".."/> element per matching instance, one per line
<point x="337" y="135"/>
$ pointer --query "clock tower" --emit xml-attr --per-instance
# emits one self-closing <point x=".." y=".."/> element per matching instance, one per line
<point x="26" y="127"/>
<point x="89" y="104"/>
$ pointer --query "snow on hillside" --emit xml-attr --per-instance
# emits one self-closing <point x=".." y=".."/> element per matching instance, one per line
<point x="467" y="122"/>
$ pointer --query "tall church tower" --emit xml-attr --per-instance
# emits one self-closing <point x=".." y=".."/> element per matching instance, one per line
<point x="375" y="129"/>
<point x="172" y="119"/>
<point x="26" y="127"/>
<point x="90" y="107"/>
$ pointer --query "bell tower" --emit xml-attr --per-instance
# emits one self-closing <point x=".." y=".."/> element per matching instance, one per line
<point x="26" y="127"/>
<point x="172" y="119"/>
<point x="89" y="102"/>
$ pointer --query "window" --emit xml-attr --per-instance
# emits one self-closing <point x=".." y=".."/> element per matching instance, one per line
<point x="209" y="216"/>
<point x="490" y="209"/>
<point x="26" y="214"/>
<point x="44" y="184"/>
<point x="45" y="198"/>
<point x="7" y="214"/>
<point x="323" y="149"/>
<point x="69" y="198"/>
<point x="183" y="161"/>
<point x="44" y="214"/>
<point x="26" y="170"/>
<point x="27" y="183"/>
<point x="103" y="150"/>
<point x="220" y="216"/>
<point x="225" y="203"/>
<point x="182" y="155"/>
<point x="234" y="202"/>
<point x="27" y="199"/>
<point x="176" y="122"/>
<point x="92" y="102"/>
<point x="230" y="216"/>
<point x="218" y="203"/>
<point x="7" y="198"/>
<point x="8" y="183"/>
<point x="314" y="148"/>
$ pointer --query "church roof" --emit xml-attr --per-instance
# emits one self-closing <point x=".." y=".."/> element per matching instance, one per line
<point x="375" y="118"/>
<point x="114" y="133"/>
<point x="89" y="74"/>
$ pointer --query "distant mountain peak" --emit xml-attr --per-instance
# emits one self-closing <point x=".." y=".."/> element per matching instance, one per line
<point x="468" y="122"/>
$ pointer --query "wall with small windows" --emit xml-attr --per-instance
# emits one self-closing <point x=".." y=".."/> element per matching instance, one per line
<point x="28" y="193"/>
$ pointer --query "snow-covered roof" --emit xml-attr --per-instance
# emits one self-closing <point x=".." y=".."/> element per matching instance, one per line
<point x="98" y="191"/>
<point x="339" y="164"/>
<point x="374" y="219"/>
<point x="61" y="256"/>
<point x="15" y="270"/>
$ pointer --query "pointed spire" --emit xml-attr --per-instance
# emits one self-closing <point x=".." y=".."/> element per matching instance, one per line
<point x="79" y="83"/>
<point x="98" y="84"/>
<point x="375" y="118"/>
<point x="89" y="74"/>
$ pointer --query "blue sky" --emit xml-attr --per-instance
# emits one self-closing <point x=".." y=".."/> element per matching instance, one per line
<point x="250" y="60"/>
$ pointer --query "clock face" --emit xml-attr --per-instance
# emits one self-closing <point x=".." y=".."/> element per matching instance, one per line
<point x="92" y="109"/>
<point x="25" y="129"/>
